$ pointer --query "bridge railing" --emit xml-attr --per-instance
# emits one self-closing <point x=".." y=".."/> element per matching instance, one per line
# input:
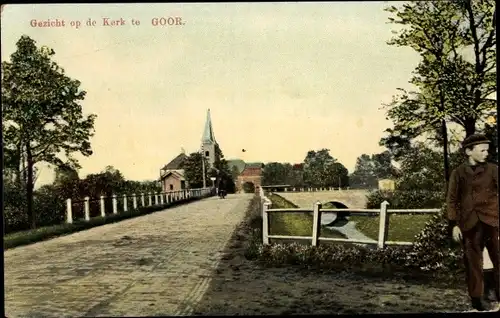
<point x="317" y="211"/>
<point x="93" y="207"/>
<point x="308" y="189"/>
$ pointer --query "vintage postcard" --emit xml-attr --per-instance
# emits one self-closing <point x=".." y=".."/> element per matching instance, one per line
<point x="249" y="158"/>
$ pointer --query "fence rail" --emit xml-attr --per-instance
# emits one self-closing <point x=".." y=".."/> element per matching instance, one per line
<point x="305" y="189"/>
<point x="315" y="238"/>
<point x="127" y="202"/>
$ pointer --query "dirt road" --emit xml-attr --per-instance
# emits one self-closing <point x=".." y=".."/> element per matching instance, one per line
<point x="158" y="264"/>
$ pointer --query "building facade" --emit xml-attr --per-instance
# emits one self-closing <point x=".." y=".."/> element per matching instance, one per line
<point x="251" y="173"/>
<point x="172" y="175"/>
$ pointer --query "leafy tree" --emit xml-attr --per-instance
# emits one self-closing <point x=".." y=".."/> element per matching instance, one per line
<point x="193" y="170"/>
<point x="336" y="175"/>
<point x="364" y="173"/>
<point x="491" y="131"/>
<point x="42" y="117"/>
<point x="276" y="173"/>
<point x="65" y="174"/>
<point x="221" y="171"/>
<point x="369" y="169"/>
<point x="296" y="177"/>
<point x="322" y="170"/>
<point x="235" y="173"/>
<point x="451" y="89"/>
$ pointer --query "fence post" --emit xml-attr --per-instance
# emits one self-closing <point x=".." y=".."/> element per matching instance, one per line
<point x="103" y="211"/>
<point x="383" y="228"/>
<point x="316" y="223"/>
<point x="69" y="212"/>
<point x="115" y="204"/>
<point x="125" y="201"/>
<point x="87" y="208"/>
<point x="142" y="200"/>
<point x="134" y="201"/>
<point x="265" y="223"/>
<point x="150" y="199"/>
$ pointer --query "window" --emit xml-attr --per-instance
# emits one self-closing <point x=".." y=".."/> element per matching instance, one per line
<point x="207" y="153"/>
<point x="171" y="187"/>
<point x="183" y="184"/>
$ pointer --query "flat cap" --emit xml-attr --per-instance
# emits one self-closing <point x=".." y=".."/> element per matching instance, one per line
<point x="475" y="139"/>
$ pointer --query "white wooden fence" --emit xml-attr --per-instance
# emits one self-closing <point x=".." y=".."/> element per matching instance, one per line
<point x="317" y="211"/>
<point x="142" y="200"/>
<point x="309" y="189"/>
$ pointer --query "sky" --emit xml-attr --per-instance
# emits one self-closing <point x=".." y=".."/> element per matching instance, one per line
<point x="280" y="79"/>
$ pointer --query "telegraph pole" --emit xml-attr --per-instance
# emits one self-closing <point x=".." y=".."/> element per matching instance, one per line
<point x="203" y="167"/>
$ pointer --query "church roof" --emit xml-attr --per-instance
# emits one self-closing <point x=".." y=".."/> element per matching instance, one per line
<point x="176" y="163"/>
<point x="208" y="132"/>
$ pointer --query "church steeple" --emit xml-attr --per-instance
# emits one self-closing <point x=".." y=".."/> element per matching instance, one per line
<point x="208" y="133"/>
<point x="208" y="143"/>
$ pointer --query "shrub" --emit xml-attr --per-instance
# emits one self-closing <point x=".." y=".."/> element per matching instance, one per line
<point x="332" y="256"/>
<point x="433" y="248"/>
<point x="49" y="206"/>
<point x="400" y="199"/>
<point x="14" y="214"/>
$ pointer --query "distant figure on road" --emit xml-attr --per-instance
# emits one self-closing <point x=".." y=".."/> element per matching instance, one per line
<point x="222" y="189"/>
<point x="472" y="206"/>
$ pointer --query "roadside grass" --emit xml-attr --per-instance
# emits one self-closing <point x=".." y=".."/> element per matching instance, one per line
<point x="296" y="224"/>
<point x="402" y="227"/>
<point x="44" y="233"/>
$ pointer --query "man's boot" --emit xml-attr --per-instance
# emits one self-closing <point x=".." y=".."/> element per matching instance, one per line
<point x="477" y="304"/>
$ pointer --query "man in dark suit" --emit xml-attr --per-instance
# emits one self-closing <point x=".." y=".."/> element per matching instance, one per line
<point x="472" y="206"/>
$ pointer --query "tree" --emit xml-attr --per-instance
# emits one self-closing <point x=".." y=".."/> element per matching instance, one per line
<point x="364" y="173"/>
<point x="421" y="169"/>
<point x="322" y="170"/>
<point x="235" y="173"/>
<point x="336" y="175"/>
<point x="276" y="173"/>
<point x="491" y="132"/>
<point x="369" y="169"/>
<point x="42" y="117"/>
<point x="451" y="89"/>
<point x="193" y="170"/>
<point x="383" y="165"/>
<point x="221" y="171"/>
<point x="65" y="174"/>
<point x="296" y="178"/>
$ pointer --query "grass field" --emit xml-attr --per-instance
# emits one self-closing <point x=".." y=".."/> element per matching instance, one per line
<point x="401" y="227"/>
<point x="297" y="224"/>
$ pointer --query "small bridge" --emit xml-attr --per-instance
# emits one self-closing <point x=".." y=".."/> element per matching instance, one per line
<point x="355" y="199"/>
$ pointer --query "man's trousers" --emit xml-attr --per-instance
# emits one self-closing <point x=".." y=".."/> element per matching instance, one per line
<point x="474" y="241"/>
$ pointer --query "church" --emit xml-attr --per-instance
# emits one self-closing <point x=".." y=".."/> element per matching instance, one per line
<point x="172" y="175"/>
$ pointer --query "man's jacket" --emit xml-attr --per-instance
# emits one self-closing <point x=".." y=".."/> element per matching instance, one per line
<point x="473" y="195"/>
